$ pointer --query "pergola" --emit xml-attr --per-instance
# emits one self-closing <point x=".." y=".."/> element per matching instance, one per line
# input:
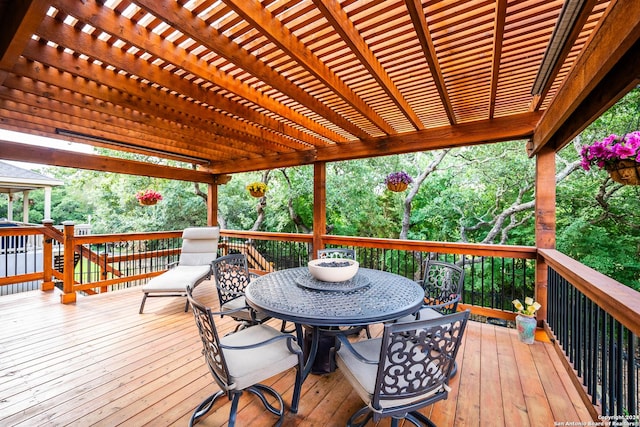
<point x="235" y="86"/>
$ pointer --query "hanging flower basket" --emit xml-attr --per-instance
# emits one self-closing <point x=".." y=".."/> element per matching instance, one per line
<point x="620" y="156"/>
<point x="257" y="189"/>
<point x="397" y="186"/>
<point x="398" y="181"/>
<point x="148" y="197"/>
<point x="625" y="172"/>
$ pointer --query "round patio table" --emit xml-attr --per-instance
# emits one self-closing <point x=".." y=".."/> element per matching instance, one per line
<point x="372" y="296"/>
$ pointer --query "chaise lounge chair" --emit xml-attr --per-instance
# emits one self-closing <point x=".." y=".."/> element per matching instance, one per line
<point x="199" y="249"/>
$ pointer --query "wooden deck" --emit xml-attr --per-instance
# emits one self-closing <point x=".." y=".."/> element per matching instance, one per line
<point x="99" y="362"/>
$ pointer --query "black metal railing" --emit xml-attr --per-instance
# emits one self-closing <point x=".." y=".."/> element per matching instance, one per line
<point x="603" y="352"/>
<point x="490" y="282"/>
<point x="268" y="254"/>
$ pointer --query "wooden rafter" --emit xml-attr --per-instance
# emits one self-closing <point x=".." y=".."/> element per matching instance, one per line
<point x="333" y="13"/>
<point x="263" y="20"/>
<point x="422" y="32"/>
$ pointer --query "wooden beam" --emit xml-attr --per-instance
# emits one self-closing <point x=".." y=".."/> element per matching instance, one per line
<point x="615" y="40"/>
<point x="498" y="37"/>
<point x="424" y="35"/>
<point x="259" y="17"/>
<point x="76" y="118"/>
<point x="624" y="76"/>
<point x="104" y="86"/>
<point x="18" y="23"/>
<point x="49" y="156"/>
<point x="466" y="134"/>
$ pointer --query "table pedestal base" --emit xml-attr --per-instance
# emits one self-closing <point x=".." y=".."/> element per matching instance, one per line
<point x="325" y="360"/>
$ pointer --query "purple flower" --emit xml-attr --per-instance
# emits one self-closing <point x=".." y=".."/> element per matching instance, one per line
<point x="398" y="177"/>
<point x="610" y="150"/>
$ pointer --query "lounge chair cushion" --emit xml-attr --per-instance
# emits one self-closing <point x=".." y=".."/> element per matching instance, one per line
<point x="178" y="278"/>
<point x="199" y="246"/>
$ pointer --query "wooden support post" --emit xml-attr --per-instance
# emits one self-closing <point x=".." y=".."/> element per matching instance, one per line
<point x="68" y="294"/>
<point x="319" y="206"/>
<point x="47" y="259"/>
<point x="545" y="225"/>
<point x="212" y="205"/>
<point x="212" y="198"/>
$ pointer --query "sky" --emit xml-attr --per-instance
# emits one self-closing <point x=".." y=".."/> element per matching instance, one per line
<point x="42" y="141"/>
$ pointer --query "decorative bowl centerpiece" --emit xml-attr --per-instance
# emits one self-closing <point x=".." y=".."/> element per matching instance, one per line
<point x="333" y="269"/>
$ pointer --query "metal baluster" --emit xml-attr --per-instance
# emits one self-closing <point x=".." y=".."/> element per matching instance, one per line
<point x="632" y="404"/>
<point x="611" y="366"/>
<point x="619" y="368"/>
<point x="580" y="326"/>
<point x="597" y="361"/>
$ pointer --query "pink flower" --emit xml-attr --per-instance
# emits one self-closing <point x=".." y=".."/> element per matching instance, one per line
<point x="610" y="150"/>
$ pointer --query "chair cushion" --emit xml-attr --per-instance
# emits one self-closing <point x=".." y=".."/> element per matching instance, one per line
<point x="362" y="376"/>
<point x="239" y="303"/>
<point x="198" y="233"/>
<point x="426" y="313"/>
<point x="178" y="278"/>
<point x="199" y="245"/>
<point x="254" y="365"/>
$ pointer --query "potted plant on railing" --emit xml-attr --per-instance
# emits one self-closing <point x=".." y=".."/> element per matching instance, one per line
<point x="148" y="197"/>
<point x="617" y="155"/>
<point x="398" y="181"/>
<point x="257" y="189"/>
<point x="525" y="320"/>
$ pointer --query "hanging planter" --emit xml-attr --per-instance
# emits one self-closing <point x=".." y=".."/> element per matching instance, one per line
<point x="148" y="197"/>
<point x="257" y="189"/>
<point x="617" y="155"/>
<point x="625" y="172"/>
<point x="398" y="181"/>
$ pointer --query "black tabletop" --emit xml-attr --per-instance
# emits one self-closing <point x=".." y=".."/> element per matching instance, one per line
<point x="372" y="296"/>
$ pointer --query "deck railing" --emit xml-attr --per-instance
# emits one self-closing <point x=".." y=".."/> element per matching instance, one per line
<point x="596" y="322"/>
<point x="593" y="320"/>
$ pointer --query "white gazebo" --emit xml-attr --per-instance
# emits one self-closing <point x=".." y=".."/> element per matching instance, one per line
<point x="14" y="180"/>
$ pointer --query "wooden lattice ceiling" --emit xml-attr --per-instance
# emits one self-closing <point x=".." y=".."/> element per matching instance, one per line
<point x="248" y="85"/>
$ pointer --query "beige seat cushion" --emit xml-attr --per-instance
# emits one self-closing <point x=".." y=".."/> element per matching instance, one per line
<point x="199" y="245"/>
<point x="177" y="279"/>
<point x="240" y="302"/>
<point x="254" y="365"/>
<point x="425" y="314"/>
<point x="362" y="376"/>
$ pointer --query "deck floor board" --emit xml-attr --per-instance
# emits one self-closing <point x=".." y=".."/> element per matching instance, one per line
<point x="98" y="362"/>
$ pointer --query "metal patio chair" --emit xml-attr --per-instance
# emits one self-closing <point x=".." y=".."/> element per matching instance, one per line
<point x="337" y="253"/>
<point x="232" y="276"/>
<point x="405" y="370"/>
<point x="239" y="361"/>
<point x="442" y="284"/>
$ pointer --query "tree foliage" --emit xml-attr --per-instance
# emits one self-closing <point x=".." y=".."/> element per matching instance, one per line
<point x="472" y="194"/>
